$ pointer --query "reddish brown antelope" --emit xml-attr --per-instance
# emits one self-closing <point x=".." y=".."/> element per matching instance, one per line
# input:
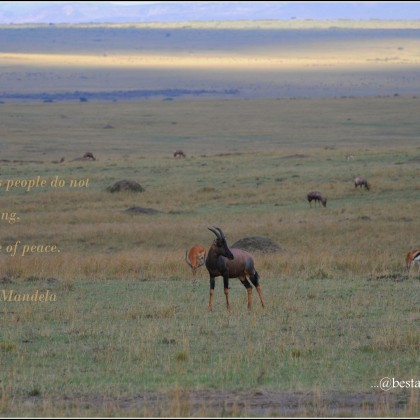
<point x="317" y="197"/>
<point x="412" y="258"/>
<point x="230" y="263"/>
<point x="195" y="257"/>
<point x="361" y="181"/>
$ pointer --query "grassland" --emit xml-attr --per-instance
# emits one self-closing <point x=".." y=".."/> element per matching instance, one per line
<point x="128" y="333"/>
<point x="317" y="103"/>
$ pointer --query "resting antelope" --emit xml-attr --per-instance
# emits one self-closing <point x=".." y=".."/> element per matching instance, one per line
<point x="195" y="257"/>
<point x="411" y="258"/>
<point x="361" y="181"/>
<point x="230" y="263"/>
<point x="317" y="197"/>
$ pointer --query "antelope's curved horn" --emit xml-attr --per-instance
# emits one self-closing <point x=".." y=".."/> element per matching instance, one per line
<point x="215" y="232"/>
<point x="220" y="231"/>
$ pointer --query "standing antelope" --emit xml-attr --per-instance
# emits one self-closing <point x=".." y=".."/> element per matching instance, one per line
<point x="317" y="197"/>
<point x="411" y="258"/>
<point x="361" y="181"/>
<point x="230" y="263"/>
<point x="195" y="257"/>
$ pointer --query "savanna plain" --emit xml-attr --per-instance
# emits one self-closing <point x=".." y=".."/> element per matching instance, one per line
<point x="129" y="332"/>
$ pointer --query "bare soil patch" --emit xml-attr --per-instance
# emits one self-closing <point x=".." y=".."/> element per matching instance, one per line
<point x="179" y="403"/>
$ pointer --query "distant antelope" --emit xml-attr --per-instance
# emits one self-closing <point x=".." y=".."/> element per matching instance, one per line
<point x="195" y="257"/>
<point x="317" y="197"/>
<point x="179" y="153"/>
<point x="411" y="258"/>
<point x="361" y="181"/>
<point x="230" y="263"/>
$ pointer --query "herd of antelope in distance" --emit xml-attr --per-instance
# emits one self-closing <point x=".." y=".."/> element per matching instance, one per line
<point x="317" y="197"/>
<point x="220" y="260"/>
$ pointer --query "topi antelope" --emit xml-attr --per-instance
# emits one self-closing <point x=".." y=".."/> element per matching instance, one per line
<point x="361" y="181"/>
<point x="195" y="257"/>
<point x="230" y="263"/>
<point x="317" y="197"/>
<point x="411" y="258"/>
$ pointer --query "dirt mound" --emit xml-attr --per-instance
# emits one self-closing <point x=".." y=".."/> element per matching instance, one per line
<point x="141" y="210"/>
<point x="257" y="244"/>
<point x="125" y="185"/>
<point x="88" y="156"/>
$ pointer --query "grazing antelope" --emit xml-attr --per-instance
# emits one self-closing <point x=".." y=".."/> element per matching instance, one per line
<point x="361" y="181"/>
<point x="411" y="258"/>
<point x="317" y="197"/>
<point x="195" y="257"/>
<point x="230" y="263"/>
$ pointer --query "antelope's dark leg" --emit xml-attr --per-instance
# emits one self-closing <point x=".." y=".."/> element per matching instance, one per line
<point x="212" y="284"/>
<point x="255" y="281"/>
<point x="248" y="286"/>
<point x="226" y="288"/>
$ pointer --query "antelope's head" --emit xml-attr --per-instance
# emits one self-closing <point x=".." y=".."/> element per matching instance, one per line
<point x="220" y="244"/>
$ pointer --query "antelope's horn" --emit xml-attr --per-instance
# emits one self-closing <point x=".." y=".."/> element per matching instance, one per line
<point x="215" y="232"/>
<point x="221" y="233"/>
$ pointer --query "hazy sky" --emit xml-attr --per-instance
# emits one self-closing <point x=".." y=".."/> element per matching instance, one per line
<point x="103" y="11"/>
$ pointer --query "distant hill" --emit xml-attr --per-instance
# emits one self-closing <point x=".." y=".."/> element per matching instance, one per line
<point x="178" y="11"/>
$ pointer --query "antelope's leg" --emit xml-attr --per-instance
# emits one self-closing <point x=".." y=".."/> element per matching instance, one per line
<point x="256" y="283"/>
<point x="260" y="295"/>
<point x="212" y="284"/>
<point x="226" y="289"/>
<point x="248" y="286"/>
